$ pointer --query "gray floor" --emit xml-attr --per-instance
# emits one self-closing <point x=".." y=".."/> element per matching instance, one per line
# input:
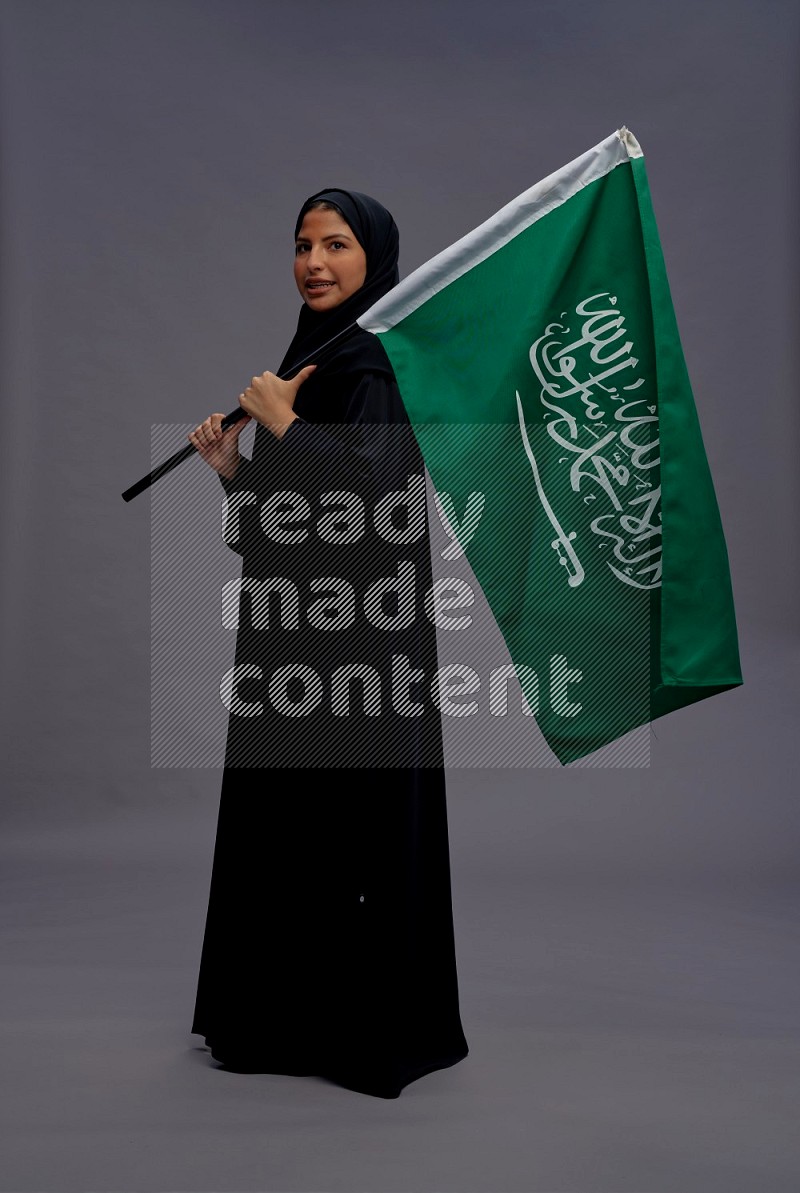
<point x="627" y="943"/>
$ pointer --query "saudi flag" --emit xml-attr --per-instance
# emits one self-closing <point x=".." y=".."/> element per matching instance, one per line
<point x="540" y="363"/>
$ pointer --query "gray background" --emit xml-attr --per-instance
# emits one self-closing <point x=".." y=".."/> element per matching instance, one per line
<point x="627" y="938"/>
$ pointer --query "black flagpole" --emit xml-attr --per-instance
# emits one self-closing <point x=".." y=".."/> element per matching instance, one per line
<point x="234" y="417"/>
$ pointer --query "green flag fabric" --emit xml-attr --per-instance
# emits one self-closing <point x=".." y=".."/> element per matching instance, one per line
<point x="540" y="363"/>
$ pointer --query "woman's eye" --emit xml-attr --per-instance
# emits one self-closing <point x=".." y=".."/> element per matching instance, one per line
<point x="300" y="248"/>
<point x="336" y="244"/>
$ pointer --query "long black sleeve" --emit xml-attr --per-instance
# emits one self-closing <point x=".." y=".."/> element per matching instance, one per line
<point x="370" y="447"/>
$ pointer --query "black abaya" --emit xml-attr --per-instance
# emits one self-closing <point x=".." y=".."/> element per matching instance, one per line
<point x="328" y="945"/>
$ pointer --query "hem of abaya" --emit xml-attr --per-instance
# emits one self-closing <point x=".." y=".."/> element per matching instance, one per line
<point x="381" y="1089"/>
<point x="372" y="1084"/>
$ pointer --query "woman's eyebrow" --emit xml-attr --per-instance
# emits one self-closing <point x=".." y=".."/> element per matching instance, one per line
<point x="332" y="236"/>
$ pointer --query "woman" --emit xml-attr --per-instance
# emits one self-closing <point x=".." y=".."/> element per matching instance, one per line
<point x="328" y="946"/>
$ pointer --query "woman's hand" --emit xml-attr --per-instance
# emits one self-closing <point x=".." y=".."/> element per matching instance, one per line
<point x="270" y="401"/>
<point x="219" y="448"/>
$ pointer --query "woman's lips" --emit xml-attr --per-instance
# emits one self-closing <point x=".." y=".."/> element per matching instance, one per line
<point x="318" y="287"/>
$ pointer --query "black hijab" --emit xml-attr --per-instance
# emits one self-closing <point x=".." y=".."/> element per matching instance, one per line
<point x="376" y="232"/>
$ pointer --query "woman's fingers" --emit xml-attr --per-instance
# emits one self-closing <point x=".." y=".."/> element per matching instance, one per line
<point x="208" y="432"/>
<point x="267" y="397"/>
<point x="216" y="425"/>
<point x="239" y="426"/>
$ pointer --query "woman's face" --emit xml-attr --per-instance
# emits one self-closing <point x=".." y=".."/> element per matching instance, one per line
<point x="329" y="263"/>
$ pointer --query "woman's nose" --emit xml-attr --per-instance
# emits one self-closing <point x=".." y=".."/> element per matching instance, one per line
<point x="314" y="258"/>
